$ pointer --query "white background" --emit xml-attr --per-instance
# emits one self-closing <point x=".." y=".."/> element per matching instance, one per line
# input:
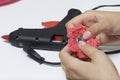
<point x="14" y="63"/>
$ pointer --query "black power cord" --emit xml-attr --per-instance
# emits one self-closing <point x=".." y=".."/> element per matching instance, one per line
<point x="34" y="55"/>
<point x="113" y="52"/>
<point x="101" y="6"/>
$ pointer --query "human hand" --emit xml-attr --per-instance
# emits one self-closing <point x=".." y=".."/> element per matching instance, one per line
<point x="99" y="67"/>
<point x="102" y="24"/>
<point x="106" y="27"/>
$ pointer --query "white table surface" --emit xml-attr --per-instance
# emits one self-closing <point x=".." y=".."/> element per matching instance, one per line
<point x="14" y="63"/>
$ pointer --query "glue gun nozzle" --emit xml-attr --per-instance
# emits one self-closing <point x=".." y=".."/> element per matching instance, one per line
<point x="5" y="37"/>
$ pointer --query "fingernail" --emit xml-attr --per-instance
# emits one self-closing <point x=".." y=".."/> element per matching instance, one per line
<point x="82" y="43"/>
<point x="87" y="35"/>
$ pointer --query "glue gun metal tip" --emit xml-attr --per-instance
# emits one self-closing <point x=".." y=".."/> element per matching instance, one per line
<point x="5" y="37"/>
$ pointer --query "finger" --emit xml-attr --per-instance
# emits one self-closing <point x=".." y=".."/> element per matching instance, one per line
<point x="66" y="73"/>
<point x="67" y="59"/>
<point x="112" y="38"/>
<point x="76" y="20"/>
<point x="97" y="28"/>
<point x="103" y="38"/>
<point x="65" y="56"/>
<point x="63" y="67"/>
<point x="93" y="53"/>
<point x="87" y="18"/>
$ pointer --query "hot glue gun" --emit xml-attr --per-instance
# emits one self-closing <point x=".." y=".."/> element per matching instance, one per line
<point x="45" y="39"/>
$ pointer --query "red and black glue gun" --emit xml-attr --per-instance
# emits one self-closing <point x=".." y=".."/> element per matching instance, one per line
<point x="47" y="39"/>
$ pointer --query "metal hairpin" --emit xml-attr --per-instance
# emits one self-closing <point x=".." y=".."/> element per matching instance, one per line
<point x="80" y="38"/>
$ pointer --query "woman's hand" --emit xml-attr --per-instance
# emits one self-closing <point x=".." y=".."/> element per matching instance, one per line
<point x="105" y="25"/>
<point x="99" y="67"/>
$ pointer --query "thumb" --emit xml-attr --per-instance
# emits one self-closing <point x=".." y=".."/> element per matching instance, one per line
<point x="91" y="52"/>
<point x="95" y="29"/>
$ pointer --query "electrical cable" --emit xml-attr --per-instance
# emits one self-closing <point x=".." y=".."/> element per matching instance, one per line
<point x="101" y="6"/>
<point x="35" y="56"/>
<point x="112" y="52"/>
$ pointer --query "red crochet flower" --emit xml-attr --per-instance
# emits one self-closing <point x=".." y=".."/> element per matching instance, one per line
<point x="73" y="34"/>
